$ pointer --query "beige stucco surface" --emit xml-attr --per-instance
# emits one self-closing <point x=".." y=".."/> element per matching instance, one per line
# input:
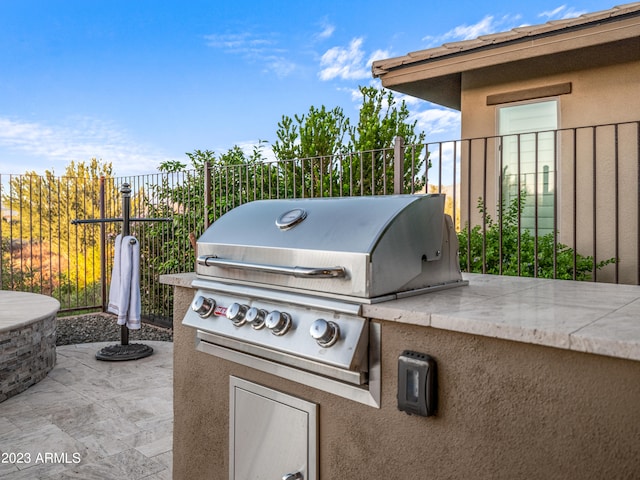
<point x="598" y="55"/>
<point x="604" y="93"/>
<point x="507" y="410"/>
<point x="600" y="94"/>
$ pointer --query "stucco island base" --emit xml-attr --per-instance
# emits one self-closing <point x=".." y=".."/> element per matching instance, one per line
<point x="507" y="410"/>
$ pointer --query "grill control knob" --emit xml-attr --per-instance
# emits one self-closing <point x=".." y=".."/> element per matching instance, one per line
<point x="236" y="313"/>
<point x="255" y="317"/>
<point x="278" y="322"/>
<point x="325" y="333"/>
<point x="203" y="306"/>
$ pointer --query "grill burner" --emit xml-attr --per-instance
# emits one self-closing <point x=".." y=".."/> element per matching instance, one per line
<point x="281" y="282"/>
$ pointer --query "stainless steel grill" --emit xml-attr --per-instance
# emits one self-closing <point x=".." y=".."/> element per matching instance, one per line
<point x="281" y="282"/>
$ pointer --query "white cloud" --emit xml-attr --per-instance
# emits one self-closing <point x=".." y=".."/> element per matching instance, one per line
<point x="408" y="99"/>
<point x="280" y="66"/>
<point x="378" y="55"/>
<point x="244" y="42"/>
<point x="327" y="30"/>
<point x="249" y="146"/>
<point x="467" y="32"/>
<point x="489" y="24"/>
<point x="346" y="63"/>
<point x="553" y="13"/>
<point x="562" y="12"/>
<point x="259" y="49"/>
<point x="81" y="140"/>
<point x="436" y="121"/>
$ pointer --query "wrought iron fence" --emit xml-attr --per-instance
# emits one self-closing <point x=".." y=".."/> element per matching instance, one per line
<point x="57" y="238"/>
<point x="554" y="204"/>
<point x="561" y="204"/>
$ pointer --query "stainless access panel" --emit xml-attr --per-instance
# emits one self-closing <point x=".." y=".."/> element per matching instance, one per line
<point x="271" y="434"/>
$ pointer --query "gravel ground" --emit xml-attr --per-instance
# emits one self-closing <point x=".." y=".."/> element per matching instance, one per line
<point x="102" y="327"/>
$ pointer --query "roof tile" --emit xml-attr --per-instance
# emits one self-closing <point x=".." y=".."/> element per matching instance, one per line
<point x="464" y="44"/>
<point x="499" y="37"/>
<point x="514" y="34"/>
<point x="429" y="53"/>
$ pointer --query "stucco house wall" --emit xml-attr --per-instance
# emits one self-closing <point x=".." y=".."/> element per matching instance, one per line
<point x="591" y="66"/>
<point x="599" y="96"/>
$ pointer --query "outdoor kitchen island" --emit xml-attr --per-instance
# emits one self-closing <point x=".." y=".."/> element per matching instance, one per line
<point x="535" y="379"/>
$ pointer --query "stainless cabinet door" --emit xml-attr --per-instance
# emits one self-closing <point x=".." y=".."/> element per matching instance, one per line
<point x="271" y="434"/>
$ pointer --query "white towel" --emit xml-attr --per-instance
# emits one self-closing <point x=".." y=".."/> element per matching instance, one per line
<point x="124" y="293"/>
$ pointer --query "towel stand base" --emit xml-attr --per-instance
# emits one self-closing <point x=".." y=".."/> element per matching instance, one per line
<point x="132" y="351"/>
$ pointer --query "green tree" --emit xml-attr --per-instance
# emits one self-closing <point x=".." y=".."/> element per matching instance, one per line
<point x="306" y="147"/>
<point x="165" y="247"/>
<point x="322" y="154"/>
<point x="239" y="178"/>
<point x="381" y="120"/>
<point x="48" y="253"/>
<point x="318" y="133"/>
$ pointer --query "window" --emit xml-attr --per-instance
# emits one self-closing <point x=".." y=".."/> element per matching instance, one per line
<point x="528" y="159"/>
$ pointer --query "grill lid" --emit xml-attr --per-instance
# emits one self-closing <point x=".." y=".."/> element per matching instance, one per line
<point x="361" y="247"/>
<point x="350" y="224"/>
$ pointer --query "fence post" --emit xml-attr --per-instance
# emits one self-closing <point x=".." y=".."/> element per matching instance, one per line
<point x="207" y="193"/>
<point x="398" y="165"/>
<point x="103" y="245"/>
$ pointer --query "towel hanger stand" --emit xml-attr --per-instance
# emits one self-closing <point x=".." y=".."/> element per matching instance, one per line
<point x="124" y="350"/>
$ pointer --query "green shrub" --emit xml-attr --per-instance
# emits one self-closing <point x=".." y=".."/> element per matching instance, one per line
<point x="503" y="257"/>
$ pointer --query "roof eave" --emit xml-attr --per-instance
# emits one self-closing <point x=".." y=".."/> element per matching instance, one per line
<point x="431" y="68"/>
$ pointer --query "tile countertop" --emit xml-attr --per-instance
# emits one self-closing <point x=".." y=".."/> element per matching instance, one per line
<point x="598" y="318"/>
<point x="589" y="317"/>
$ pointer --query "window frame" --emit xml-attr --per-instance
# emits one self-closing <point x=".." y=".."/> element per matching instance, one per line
<point x="539" y="185"/>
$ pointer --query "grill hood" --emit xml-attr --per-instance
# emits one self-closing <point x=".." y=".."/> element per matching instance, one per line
<point x="367" y="248"/>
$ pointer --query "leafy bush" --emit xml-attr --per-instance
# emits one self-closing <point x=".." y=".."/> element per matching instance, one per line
<point x="503" y="257"/>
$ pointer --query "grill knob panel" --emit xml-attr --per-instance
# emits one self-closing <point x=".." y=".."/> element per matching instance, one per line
<point x="278" y="322"/>
<point x="237" y="314"/>
<point x="325" y="333"/>
<point x="256" y="317"/>
<point x="203" y="306"/>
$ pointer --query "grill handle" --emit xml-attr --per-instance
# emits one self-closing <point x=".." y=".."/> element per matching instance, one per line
<point x="299" y="272"/>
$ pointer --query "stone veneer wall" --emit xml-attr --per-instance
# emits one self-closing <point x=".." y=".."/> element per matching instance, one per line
<point x="27" y="354"/>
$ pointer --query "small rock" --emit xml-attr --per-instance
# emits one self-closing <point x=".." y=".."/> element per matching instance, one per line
<point x="102" y="327"/>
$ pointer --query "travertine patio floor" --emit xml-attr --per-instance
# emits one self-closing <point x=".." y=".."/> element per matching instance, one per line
<point x="92" y="419"/>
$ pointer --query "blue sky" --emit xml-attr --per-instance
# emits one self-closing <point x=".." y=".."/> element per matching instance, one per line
<point x="138" y="82"/>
